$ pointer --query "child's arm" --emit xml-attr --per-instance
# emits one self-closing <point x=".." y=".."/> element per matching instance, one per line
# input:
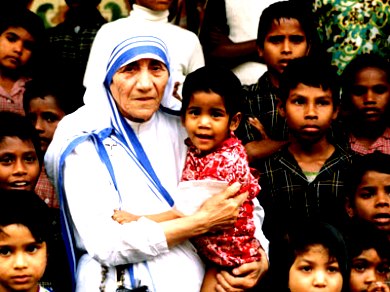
<point x="122" y="217"/>
<point x="261" y="148"/>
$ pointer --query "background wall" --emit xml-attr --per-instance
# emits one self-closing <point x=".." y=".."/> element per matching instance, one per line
<point x="52" y="11"/>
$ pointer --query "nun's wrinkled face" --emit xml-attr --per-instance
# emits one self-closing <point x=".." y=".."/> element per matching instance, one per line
<point x="138" y="88"/>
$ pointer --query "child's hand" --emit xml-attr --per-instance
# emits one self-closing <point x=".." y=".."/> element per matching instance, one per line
<point x="378" y="287"/>
<point x="259" y="127"/>
<point x="122" y="217"/>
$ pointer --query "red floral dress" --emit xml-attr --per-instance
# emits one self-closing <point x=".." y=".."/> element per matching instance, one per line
<point x="237" y="245"/>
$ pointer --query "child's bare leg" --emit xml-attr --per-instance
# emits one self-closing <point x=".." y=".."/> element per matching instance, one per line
<point x="210" y="279"/>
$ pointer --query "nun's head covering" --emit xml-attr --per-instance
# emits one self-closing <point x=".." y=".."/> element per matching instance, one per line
<point x="127" y="51"/>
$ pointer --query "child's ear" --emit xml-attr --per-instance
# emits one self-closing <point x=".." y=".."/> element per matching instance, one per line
<point x="349" y="208"/>
<point x="281" y="108"/>
<point x="235" y="121"/>
<point x="335" y="112"/>
<point x="260" y="52"/>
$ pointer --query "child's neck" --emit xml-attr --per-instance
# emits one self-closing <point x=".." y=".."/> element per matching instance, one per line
<point x="311" y="157"/>
<point x="368" y="134"/>
<point x="7" y="81"/>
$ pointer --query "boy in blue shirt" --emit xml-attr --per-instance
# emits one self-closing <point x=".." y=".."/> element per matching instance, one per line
<point x="305" y="179"/>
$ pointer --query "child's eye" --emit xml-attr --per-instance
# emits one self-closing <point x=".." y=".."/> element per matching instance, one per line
<point x="32" y="248"/>
<point x="306" y="268"/>
<point x="297" y="39"/>
<point x="50" y="117"/>
<point x="30" y="158"/>
<point x="359" y="266"/>
<point x="7" y="159"/>
<point x="29" y="45"/>
<point x="380" y="89"/>
<point x="333" y="269"/>
<point x="276" y="39"/>
<point x="193" y="112"/>
<point x="383" y="269"/>
<point x="217" y="114"/>
<point x="323" y="102"/>
<point x="358" y="90"/>
<point x="5" y="251"/>
<point x="366" y="195"/>
<point x="298" y="101"/>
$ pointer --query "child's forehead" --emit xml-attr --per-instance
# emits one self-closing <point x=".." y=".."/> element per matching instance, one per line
<point x="285" y="25"/>
<point x="371" y="255"/>
<point x="310" y="91"/>
<point x="20" y="32"/>
<point x="375" y="178"/>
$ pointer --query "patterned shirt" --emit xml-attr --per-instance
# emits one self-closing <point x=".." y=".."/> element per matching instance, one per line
<point x="261" y="102"/>
<point x="381" y="144"/>
<point x="13" y="101"/>
<point x="351" y="27"/>
<point x="287" y="196"/>
<point x="238" y="245"/>
<point x="45" y="190"/>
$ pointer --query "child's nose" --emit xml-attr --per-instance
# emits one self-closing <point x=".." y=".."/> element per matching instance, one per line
<point x="18" y="46"/>
<point x="20" y="167"/>
<point x="20" y="261"/>
<point x="204" y="121"/>
<point x="369" y="97"/>
<point x="286" y="46"/>
<point x="319" y="279"/>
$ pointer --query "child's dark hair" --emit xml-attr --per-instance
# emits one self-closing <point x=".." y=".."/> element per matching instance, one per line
<point x="297" y="241"/>
<point x="286" y="10"/>
<point x="27" y="209"/>
<point x="214" y="79"/>
<point x="310" y="71"/>
<point x="359" y="63"/>
<point x="41" y="87"/>
<point x="376" y="161"/>
<point x="24" y="18"/>
<point x="16" y="125"/>
<point x="361" y="236"/>
<point x="31" y="22"/>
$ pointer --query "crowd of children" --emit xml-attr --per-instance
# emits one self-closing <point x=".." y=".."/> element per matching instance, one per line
<point x="311" y="143"/>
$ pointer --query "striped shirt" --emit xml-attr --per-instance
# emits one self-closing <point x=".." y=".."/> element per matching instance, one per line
<point x="287" y="195"/>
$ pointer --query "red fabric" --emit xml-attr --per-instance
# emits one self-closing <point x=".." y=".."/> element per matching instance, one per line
<point x="45" y="190"/>
<point x="237" y="245"/>
<point x="382" y="144"/>
<point x="13" y="101"/>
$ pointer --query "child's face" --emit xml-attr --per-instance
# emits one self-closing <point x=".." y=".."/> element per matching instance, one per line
<point x="15" y="47"/>
<point x="370" y="94"/>
<point x="367" y="268"/>
<point x="372" y="200"/>
<point x="309" y="112"/>
<point x="313" y="270"/>
<point x="207" y="121"/>
<point x="22" y="259"/>
<point x="157" y="5"/>
<point x="19" y="166"/>
<point x="45" y="115"/>
<point x="285" y="40"/>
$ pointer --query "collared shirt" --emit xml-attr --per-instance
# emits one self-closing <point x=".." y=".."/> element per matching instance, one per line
<point x="381" y="144"/>
<point x="13" y="101"/>
<point x="287" y="196"/>
<point x="261" y="102"/>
